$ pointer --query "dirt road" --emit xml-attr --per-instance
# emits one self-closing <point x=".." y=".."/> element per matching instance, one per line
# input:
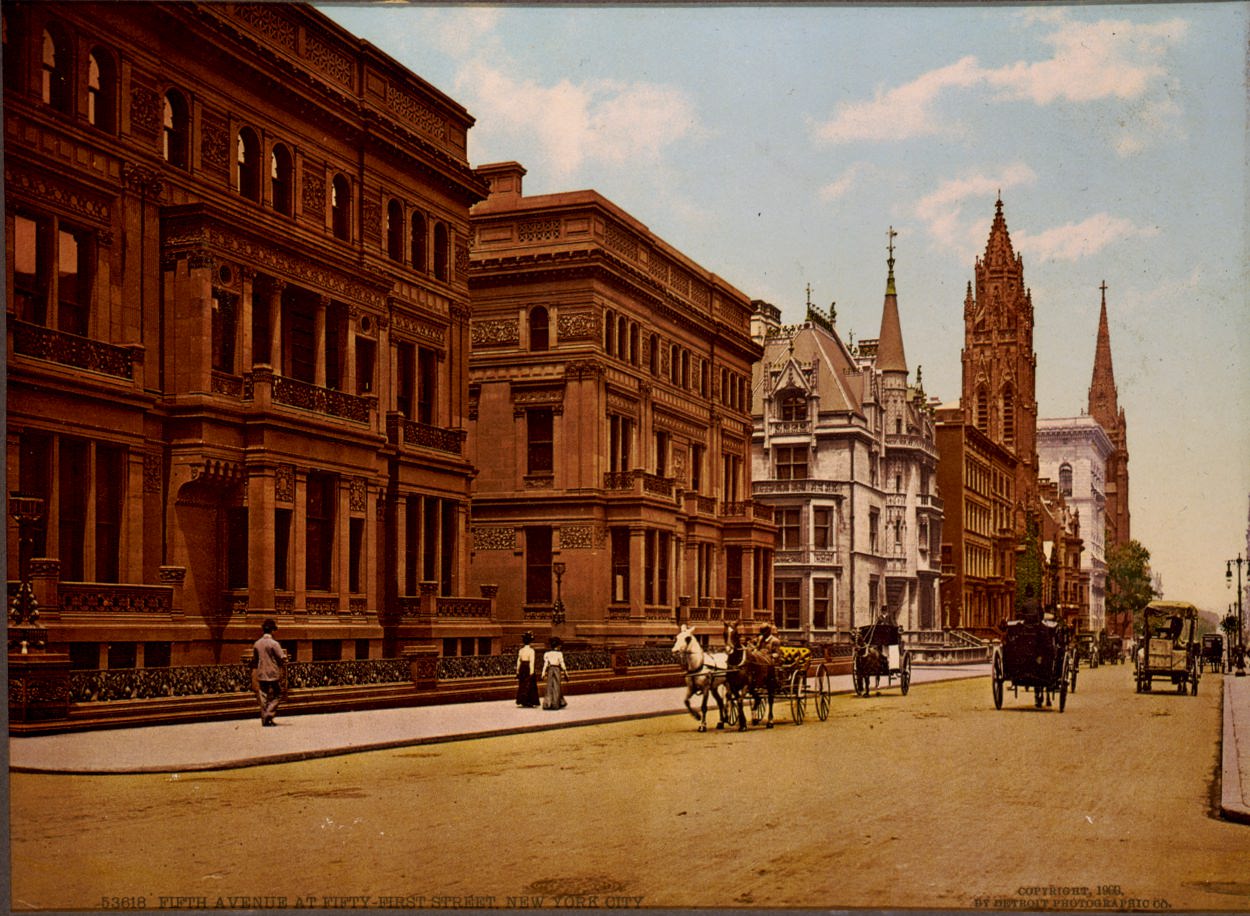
<point x="930" y="800"/>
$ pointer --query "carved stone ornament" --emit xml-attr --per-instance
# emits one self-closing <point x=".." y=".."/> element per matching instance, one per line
<point x="582" y="537"/>
<point x="578" y="326"/>
<point x="145" y="111"/>
<point x="356" y="494"/>
<point x="410" y="110"/>
<point x="151" y="472"/>
<point x="497" y="333"/>
<point x="284" y="483"/>
<point x="44" y="187"/>
<point x="494" y="538"/>
<point x="313" y="198"/>
<point x="214" y="143"/>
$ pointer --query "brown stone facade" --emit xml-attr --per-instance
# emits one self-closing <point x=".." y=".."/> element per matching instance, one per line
<point x="238" y="334"/>
<point x="610" y="425"/>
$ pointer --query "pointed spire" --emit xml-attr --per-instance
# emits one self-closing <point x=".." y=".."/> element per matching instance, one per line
<point x="998" y="251"/>
<point x="890" y="356"/>
<point x="1103" y="405"/>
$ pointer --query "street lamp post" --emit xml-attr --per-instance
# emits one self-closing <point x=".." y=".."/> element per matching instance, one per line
<point x="1240" y="659"/>
<point x="557" y="609"/>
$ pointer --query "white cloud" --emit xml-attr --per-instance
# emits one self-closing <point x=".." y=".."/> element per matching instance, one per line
<point x="902" y="112"/>
<point x="942" y="210"/>
<point x="464" y="32"/>
<point x="1079" y="240"/>
<point x="850" y="178"/>
<point x="1090" y="61"/>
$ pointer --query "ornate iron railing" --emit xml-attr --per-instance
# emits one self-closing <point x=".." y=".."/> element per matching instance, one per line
<point x="71" y="350"/>
<point x="224" y="383"/>
<point x="435" y="437"/>
<point x="650" y="656"/>
<point x="463" y="607"/>
<point x="295" y="393"/>
<point x="151" y="683"/>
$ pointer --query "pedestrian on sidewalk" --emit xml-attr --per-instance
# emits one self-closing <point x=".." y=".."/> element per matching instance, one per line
<point x="554" y="674"/>
<point x="269" y="662"/>
<point x="527" y="673"/>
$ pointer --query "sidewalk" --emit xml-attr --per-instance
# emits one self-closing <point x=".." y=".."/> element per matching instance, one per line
<point x="1235" y="780"/>
<point x="240" y="743"/>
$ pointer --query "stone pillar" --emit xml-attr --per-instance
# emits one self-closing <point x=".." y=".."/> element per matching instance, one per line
<point x="276" y="363"/>
<point x="319" y="341"/>
<point x="39" y="687"/>
<point x="637" y="557"/>
<point x="247" y="347"/>
<point x="620" y="659"/>
<point x="260" y="539"/>
<point x="423" y="666"/>
<point x="175" y="577"/>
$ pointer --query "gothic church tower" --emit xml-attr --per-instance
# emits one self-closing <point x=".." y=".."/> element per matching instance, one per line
<point x="999" y="365"/>
<point x="1105" y="409"/>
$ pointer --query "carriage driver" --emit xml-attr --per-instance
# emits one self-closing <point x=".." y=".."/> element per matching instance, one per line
<point x="768" y="644"/>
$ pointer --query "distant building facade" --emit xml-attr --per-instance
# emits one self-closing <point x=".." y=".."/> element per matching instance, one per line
<point x="1065" y="583"/>
<point x="844" y="452"/>
<point x="237" y="345"/>
<point x="609" y="421"/>
<point x="1073" y="454"/>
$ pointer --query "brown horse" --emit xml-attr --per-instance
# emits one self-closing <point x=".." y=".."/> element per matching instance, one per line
<point x="749" y="671"/>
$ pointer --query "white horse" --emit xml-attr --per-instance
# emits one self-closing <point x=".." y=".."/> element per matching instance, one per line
<point x="705" y="674"/>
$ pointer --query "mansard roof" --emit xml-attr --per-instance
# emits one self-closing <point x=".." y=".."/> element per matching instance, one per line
<point x="814" y="360"/>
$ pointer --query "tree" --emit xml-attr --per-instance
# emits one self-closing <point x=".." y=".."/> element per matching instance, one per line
<point x="1128" y="585"/>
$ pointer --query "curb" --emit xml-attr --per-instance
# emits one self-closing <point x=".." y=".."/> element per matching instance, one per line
<point x="1232" y="798"/>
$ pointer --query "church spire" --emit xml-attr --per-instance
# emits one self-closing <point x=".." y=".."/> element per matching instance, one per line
<point x="890" y="356"/>
<point x="999" y="254"/>
<point x="1103" y="401"/>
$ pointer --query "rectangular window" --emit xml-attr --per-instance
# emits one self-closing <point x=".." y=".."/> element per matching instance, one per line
<point x="874" y="587"/>
<point x="649" y="567"/>
<point x="822" y="603"/>
<point x="157" y="654"/>
<point x="663" y="548"/>
<point x="122" y="655"/>
<point x="429" y="540"/>
<point x="731" y="485"/>
<point x="335" y="344"/>
<point x="321" y="504"/>
<point x="31" y="274"/>
<point x="327" y="650"/>
<point x="35" y="479"/>
<point x="224" y="331"/>
<point x="362" y="648"/>
<point x="661" y="454"/>
<point x="788" y="535"/>
<point x="299" y="324"/>
<point x="696" y="468"/>
<point x="873" y="524"/>
<point x="620" y="564"/>
<point x="281" y="549"/>
<point x="84" y="656"/>
<point x="791" y="462"/>
<point x="356" y="555"/>
<point x="405" y="377"/>
<point x="236" y="547"/>
<point x="427" y="384"/>
<point x="412" y="544"/>
<point x="538" y="565"/>
<point x="786" y="602"/>
<point x="733" y="572"/>
<point x="447" y="545"/>
<point x="72" y="520"/>
<point x="451" y="646"/>
<point x="620" y="434"/>
<point x="366" y="352"/>
<point x="540" y="440"/>
<point x="823" y="536"/>
<point x="73" y="283"/>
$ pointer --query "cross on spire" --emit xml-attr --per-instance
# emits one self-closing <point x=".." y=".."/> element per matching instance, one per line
<point x="890" y="234"/>
<point x="809" y="295"/>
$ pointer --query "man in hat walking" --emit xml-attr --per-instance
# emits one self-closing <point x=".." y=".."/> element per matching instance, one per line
<point x="268" y="658"/>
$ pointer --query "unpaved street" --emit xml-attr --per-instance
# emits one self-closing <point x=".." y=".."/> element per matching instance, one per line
<point x="930" y="800"/>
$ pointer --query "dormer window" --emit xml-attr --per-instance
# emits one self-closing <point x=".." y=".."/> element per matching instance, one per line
<point x="793" y="407"/>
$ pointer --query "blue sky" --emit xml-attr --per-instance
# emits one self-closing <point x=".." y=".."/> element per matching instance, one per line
<point x="776" y="145"/>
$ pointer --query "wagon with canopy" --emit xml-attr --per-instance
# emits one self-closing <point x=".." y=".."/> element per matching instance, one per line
<point x="1170" y="648"/>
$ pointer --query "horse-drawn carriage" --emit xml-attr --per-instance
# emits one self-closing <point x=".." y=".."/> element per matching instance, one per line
<point x="1170" y="647"/>
<point x="1212" y="658"/>
<point x="878" y="652"/>
<point x="742" y="669"/>
<point x="1110" y="649"/>
<point x="1087" y="649"/>
<point x="1035" y="654"/>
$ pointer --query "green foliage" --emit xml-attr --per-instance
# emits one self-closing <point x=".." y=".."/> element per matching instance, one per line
<point x="1029" y="567"/>
<point x="1128" y="582"/>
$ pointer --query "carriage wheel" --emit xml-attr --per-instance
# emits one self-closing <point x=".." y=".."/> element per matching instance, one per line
<point x="858" y="679"/>
<point x="731" y="711"/>
<point x="1063" y="685"/>
<point x="757" y="708"/>
<point x="798" y="695"/>
<point x="996" y="678"/>
<point x="822" y="693"/>
<point x="905" y="673"/>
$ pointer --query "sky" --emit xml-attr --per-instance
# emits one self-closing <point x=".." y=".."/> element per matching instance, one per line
<point x="776" y="145"/>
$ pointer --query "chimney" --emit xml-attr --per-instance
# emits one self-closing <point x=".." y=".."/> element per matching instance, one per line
<point x="504" y="179"/>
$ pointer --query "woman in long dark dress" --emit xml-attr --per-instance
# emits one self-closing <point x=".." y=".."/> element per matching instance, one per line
<point x="526" y="674"/>
<point x="554" y="674"/>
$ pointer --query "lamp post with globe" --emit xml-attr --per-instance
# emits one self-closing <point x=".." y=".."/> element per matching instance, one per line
<point x="1239" y="653"/>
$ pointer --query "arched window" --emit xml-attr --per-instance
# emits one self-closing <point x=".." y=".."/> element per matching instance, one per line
<point x="54" y="87"/>
<point x="1065" y="479"/>
<point x="101" y="90"/>
<point x="248" y="156"/>
<point x="416" y="243"/>
<point x="176" y="131"/>
<point x="441" y="251"/>
<point x="653" y="354"/>
<point x="633" y="343"/>
<point x="281" y="179"/>
<point x="341" y="208"/>
<point x="609" y="332"/>
<point x="685" y="368"/>
<point x="622" y="337"/>
<point x="394" y="230"/>
<point x="983" y="410"/>
<point x="538" y="328"/>
<point x="1009" y="416"/>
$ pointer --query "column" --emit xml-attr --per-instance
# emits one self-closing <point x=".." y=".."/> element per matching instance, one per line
<point x="319" y="341"/>
<point x="246" y="307"/>
<point x="342" y="543"/>
<point x="299" y="540"/>
<point x="637" y="559"/>
<point x="275" y="326"/>
<point x="260" y="540"/>
<point x="749" y="586"/>
<point x="400" y="527"/>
